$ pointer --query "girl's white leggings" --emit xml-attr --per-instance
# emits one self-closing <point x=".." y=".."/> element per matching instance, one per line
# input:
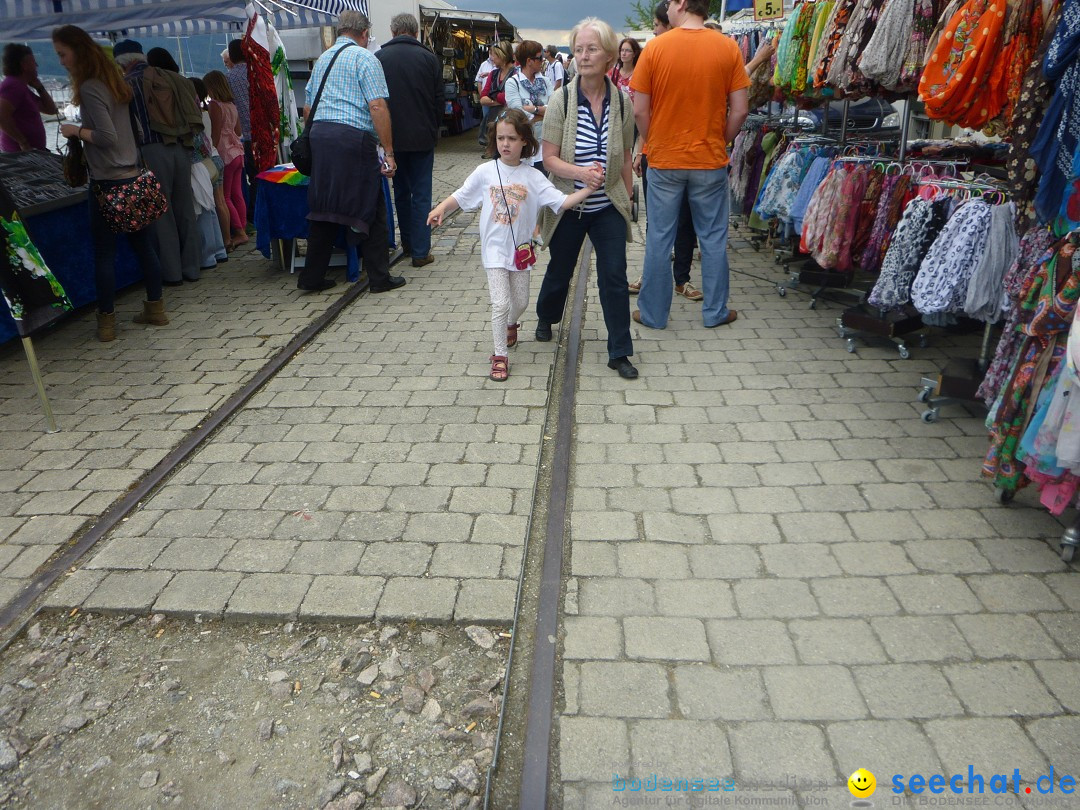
<point x="509" y="298"/>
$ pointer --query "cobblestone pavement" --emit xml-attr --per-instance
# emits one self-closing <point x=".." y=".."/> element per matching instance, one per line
<point x="778" y="573"/>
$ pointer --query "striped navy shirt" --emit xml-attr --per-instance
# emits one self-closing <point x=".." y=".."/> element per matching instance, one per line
<point x="591" y="146"/>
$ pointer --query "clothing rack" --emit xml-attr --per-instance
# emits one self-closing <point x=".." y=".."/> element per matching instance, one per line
<point x="1070" y="540"/>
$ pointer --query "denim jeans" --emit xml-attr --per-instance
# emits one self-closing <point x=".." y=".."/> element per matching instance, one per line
<point x="412" y="200"/>
<point x="142" y="244"/>
<point x="606" y="229"/>
<point x="685" y="238"/>
<point x="707" y="191"/>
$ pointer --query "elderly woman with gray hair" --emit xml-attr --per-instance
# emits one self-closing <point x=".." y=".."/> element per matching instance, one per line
<point x="588" y="134"/>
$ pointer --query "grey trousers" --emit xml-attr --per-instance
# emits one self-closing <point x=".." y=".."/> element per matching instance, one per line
<point x="176" y="233"/>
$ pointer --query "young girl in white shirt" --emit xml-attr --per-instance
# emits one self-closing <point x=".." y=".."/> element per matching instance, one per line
<point x="509" y="194"/>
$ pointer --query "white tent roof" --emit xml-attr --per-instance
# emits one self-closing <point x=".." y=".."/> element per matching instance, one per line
<point x="34" y="19"/>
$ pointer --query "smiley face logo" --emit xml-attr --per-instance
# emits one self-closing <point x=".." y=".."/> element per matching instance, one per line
<point x="862" y="784"/>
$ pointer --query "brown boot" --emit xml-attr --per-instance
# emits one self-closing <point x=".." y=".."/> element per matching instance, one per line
<point x="153" y="313"/>
<point x="106" y="326"/>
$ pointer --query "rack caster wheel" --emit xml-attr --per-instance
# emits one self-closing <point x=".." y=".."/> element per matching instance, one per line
<point x="923" y="341"/>
<point x="904" y="353"/>
<point x="849" y="345"/>
<point x="929" y="416"/>
<point x="1067" y="552"/>
<point x="813" y="303"/>
<point x="781" y="291"/>
<point x="1005" y="496"/>
<point x="924" y="394"/>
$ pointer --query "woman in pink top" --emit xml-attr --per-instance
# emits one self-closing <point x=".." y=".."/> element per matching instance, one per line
<point x="226" y="134"/>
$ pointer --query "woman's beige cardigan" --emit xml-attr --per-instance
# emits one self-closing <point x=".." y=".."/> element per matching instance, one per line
<point x="561" y="130"/>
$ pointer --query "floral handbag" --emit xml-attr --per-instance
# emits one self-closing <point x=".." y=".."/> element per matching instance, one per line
<point x="131" y="205"/>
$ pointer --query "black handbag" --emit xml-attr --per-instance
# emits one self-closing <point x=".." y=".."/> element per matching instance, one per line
<point x="300" y="149"/>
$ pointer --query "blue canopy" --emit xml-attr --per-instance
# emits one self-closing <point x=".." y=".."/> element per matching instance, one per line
<point x="22" y="20"/>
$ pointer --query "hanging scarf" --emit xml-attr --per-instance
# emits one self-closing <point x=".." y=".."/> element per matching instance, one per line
<point x="883" y="58"/>
<point x="263" y="97"/>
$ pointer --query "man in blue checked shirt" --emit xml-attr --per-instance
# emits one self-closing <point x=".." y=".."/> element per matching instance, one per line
<point x="350" y="121"/>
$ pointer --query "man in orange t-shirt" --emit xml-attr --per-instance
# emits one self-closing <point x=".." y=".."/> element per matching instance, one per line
<point x="690" y="102"/>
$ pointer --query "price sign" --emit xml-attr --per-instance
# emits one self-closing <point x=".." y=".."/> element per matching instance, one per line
<point x="768" y="9"/>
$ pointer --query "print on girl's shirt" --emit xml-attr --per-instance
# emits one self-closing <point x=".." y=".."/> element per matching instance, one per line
<point x="507" y="212"/>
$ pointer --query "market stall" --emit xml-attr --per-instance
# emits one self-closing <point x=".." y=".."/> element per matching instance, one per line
<point x="461" y="39"/>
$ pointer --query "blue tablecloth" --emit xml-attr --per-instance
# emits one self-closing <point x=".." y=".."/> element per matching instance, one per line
<point x="63" y="239"/>
<point x="281" y="213"/>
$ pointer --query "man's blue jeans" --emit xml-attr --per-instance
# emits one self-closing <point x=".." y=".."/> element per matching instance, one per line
<point x="412" y="200"/>
<point x="710" y="202"/>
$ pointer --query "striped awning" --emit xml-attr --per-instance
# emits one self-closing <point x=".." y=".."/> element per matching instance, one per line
<point x="22" y="20"/>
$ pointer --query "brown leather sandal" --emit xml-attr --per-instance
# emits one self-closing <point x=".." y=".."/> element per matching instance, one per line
<point x="500" y="368"/>
<point x="511" y="335"/>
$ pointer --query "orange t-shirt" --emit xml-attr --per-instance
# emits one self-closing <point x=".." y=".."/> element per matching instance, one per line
<point x="688" y="74"/>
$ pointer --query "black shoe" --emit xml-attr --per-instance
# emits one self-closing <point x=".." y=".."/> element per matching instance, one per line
<point x="395" y="282"/>
<point x="624" y="367"/>
<point x="543" y="332"/>
<point x="318" y="286"/>
<point x="170" y="283"/>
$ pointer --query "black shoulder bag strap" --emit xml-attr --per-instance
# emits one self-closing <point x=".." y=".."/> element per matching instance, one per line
<point x="322" y="84"/>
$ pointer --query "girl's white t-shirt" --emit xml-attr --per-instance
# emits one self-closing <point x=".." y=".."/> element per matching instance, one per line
<point x="505" y="225"/>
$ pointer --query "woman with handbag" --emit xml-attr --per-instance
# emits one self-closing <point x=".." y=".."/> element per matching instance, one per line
<point x="493" y="96"/>
<point x="113" y="163"/>
<point x="588" y="133"/>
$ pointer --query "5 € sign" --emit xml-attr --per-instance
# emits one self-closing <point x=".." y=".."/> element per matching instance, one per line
<point x="768" y="9"/>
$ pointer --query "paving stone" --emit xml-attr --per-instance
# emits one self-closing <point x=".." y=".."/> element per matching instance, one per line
<point x="486" y="601"/>
<point x="505" y="529"/>
<point x="872" y="559"/>
<point x="1020" y="555"/>
<point x="187" y="523"/>
<point x="28" y="561"/>
<point x="603" y="526"/>
<point x="983" y="743"/>
<point x="127" y="591"/>
<point x="395" y="559"/>
<point x="593" y="748"/>
<point x="758" y="642"/>
<point x="193" y="554"/>
<point x="258" y="556"/>
<point x="128" y="552"/>
<point x="323" y="557"/>
<point x="604" y="596"/>
<point x="1059" y="739"/>
<point x="45" y="529"/>
<point x="836" y="641"/>
<point x="882" y="747"/>
<point x="921" y="638"/>
<point x="437" y="528"/>
<point x="193" y="592"/>
<point x="668" y="528"/>
<point x="593" y="559"/>
<point x="825" y="527"/>
<point x="906" y="691"/>
<point x="735" y="528"/>
<point x="678" y="747"/>
<point x="1001" y="688"/>
<point x="342" y="598"/>
<point x="1064" y="632"/>
<point x="802" y="560"/>
<point x="813" y="693"/>
<point x="665" y="639"/>
<point x="765" y="752"/>
<point x="262" y="596"/>
<point x="1006" y="636"/>
<point x="1061" y="678"/>
<point x="652" y="561"/>
<point x="407" y="598"/>
<point x="73" y="589"/>
<point x="707" y="693"/>
<point x="1013" y="593"/>
<point x="623" y="689"/>
<point x="724" y="562"/>
<point x="774" y="598"/>
<point x="699" y="598"/>
<point x="934" y="593"/>
<point x="947" y="556"/>
<point x="885" y="526"/>
<point x="592" y="637"/>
